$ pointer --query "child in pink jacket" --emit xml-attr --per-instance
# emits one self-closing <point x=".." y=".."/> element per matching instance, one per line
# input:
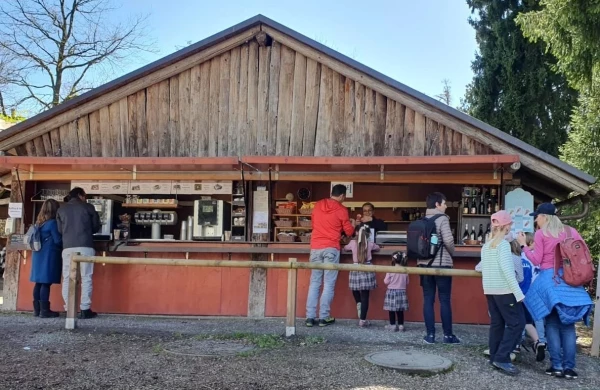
<point x="396" y="300"/>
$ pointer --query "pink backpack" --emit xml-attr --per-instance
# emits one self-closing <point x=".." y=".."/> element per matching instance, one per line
<point x="574" y="257"/>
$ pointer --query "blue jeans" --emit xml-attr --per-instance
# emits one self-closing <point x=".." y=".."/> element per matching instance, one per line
<point x="562" y="342"/>
<point x="317" y="276"/>
<point x="444" y="287"/>
<point x="540" y="327"/>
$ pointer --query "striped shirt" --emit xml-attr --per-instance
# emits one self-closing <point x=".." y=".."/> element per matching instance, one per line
<point x="498" y="271"/>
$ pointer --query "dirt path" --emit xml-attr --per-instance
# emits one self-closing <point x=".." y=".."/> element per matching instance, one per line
<point x="129" y="353"/>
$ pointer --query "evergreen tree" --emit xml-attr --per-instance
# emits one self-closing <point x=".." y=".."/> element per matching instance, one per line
<point x="571" y="31"/>
<point x="515" y="88"/>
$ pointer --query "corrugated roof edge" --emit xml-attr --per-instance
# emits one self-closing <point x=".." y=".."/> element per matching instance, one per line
<point x="261" y="19"/>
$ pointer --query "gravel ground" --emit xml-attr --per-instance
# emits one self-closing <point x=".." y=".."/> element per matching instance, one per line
<point x="121" y="352"/>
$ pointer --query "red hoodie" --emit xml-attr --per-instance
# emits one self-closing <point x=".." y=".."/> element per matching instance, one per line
<point x="329" y="218"/>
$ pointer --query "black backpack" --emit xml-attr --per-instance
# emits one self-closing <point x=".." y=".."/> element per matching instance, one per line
<point x="419" y="236"/>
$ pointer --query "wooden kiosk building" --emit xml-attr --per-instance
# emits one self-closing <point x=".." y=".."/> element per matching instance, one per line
<point x="261" y="107"/>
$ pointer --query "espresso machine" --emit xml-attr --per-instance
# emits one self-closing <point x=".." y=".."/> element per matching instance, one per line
<point x="104" y="208"/>
<point x="211" y="219"/>
<point x="156" y="219"/>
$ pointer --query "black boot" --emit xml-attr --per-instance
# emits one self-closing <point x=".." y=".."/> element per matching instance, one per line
<point x="45" y="311"/>
<point x="86" y="314"/>
<point x="36" y="308"/>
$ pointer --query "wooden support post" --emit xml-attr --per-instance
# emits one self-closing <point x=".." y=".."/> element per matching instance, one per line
<point x="12" y="268"/>
<point x="290" y="322"/>
<point x="71" y="322"/>
<point x="596" y="333"/>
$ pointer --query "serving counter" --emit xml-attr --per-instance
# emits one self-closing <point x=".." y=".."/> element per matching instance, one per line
<point x="140" y="289"/>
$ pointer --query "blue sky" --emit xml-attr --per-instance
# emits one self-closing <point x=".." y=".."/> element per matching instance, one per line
<point x="418" y="43"/>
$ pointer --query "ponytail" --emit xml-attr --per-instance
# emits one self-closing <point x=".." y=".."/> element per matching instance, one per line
<point x="362" y="252"/>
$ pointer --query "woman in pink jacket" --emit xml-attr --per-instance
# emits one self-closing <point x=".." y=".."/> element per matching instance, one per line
<point x="551" y="298"/>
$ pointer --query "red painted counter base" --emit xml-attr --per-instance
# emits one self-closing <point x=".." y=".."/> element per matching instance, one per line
<point x="175" y="290"/>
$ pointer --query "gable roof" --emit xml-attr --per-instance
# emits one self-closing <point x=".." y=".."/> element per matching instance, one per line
<point x="518" y="145"/>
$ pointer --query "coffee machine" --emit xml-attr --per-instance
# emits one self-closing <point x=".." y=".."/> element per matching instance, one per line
<point x="104" y="208"/>
<point x="211" y="219"/>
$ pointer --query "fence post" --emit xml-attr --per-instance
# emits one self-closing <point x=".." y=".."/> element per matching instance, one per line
<point x="71" y="322"/>
<point x="596" y="332"/>
<point x="290" y="322"/>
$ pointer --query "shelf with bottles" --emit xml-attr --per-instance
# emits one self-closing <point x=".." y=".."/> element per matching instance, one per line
<point x="475" y="236"/>
<point x="479" y="201"/>
<point x="238" y="212"/>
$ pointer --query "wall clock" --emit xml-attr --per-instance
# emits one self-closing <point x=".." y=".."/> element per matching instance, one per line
<point x="304" y="194"/>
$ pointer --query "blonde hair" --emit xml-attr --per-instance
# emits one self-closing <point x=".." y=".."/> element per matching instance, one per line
<point x="498" y="235"/>
<point x="554" y="227"/>
<point x="47" y="212"/>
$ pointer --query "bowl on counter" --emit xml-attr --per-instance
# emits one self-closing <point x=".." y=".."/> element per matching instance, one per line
<point x="472" y="242"/>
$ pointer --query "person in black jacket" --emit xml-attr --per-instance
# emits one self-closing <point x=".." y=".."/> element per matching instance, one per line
<point x="368" y="218"/>
<point x="77" y="222"/>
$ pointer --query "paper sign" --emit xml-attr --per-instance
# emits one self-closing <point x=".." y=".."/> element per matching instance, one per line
<point x="15" y="210"/>
<point x="349" y="187"/>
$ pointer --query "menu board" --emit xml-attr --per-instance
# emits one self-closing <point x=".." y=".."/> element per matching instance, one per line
<point x="101" y="187"/>
<point x="150" y="187"/>
<point x="519" y="203"/>
<point x="260" y="217"/>
<point x="201" y="187"/>
<point x="160" y="187"/>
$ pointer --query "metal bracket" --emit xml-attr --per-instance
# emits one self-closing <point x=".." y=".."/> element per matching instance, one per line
<point x="381" y="174"/>
<point x="495" y="174"/>
<point x="134" y="172"/>
<point x="187" y="255"/>
<point x="276" y="171"/>
<point x="30" y="171"/>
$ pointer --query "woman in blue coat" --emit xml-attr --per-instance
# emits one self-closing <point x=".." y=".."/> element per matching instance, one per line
<point x="46" y="264"/>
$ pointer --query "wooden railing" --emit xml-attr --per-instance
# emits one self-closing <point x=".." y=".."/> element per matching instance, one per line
<point x="292" y="266"/>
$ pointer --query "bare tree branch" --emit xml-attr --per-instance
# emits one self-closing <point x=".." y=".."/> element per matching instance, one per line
<point x="62" y="43"/>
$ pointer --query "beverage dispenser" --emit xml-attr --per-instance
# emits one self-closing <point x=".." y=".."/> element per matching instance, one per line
<point x="155" y="219"/>
<point x="211" y="219"/>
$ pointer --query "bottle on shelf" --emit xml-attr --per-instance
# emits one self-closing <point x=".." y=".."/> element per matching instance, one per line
<point x="488" y="206"/>
<point x="488" y="233"/>
<point x="472" y="236"/>
<point x="466" y="208"/>
<point x="466" y="233"/>
<point x="482" y="205"/>
<point x="480" y="233"/>
<point x="473" y="206"/>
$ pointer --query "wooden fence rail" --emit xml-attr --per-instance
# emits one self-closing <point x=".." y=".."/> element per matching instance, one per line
<point x="292" y="266"/>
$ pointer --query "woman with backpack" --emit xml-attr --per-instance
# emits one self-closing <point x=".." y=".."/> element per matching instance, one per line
<point x="551" y="297"/>
<point x="46" y="263"/>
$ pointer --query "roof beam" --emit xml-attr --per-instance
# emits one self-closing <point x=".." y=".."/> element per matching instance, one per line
<point x="439" y="116"/>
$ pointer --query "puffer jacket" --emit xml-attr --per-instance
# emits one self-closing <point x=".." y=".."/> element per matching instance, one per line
<point x="444" y="255"/>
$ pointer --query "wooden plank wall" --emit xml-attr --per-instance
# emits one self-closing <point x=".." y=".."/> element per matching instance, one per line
<point x="254" y="100"/>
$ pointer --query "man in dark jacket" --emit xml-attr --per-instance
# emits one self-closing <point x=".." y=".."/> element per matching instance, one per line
<point x="329" y="219"/>
<point x="77" y="222"/>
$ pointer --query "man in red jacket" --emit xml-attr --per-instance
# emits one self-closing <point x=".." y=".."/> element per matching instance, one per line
<point x="329" y="219"/>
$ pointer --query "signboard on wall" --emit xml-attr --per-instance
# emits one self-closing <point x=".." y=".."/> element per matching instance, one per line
<point x="519" y="203"/>
<point x="102" y="187"/>
<point x="349" y="187"/>
<point x="260" y="216"/>
<point x="159" y="187"/>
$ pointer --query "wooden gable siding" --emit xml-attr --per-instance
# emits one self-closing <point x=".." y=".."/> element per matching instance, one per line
<point x="254" y="100"/>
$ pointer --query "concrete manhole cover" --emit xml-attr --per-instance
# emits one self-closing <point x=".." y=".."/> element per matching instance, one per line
<point x="412" y="362"/>
<point x="194" y="347"/>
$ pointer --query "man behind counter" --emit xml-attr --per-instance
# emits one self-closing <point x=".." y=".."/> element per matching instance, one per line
<point x="368" y="218"/>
